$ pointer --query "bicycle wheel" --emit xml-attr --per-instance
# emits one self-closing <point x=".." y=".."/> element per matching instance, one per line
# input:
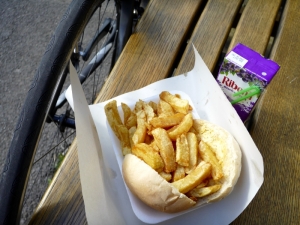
<point x="92" y="40"/>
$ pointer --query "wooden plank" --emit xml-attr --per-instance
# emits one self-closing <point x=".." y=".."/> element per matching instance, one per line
<point x="150" y="54"/>
<point x="148" y="57"/>
<point x="210" y="33"/>
<point x="276" y="131"/>
<point x="256" y="24"/>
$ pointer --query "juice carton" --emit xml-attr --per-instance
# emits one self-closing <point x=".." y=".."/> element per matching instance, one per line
<point x="243" y="76"/>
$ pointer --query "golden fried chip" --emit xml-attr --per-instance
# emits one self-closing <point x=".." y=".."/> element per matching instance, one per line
<point x="141" y="130"/>
<point x="192" y="180"/>
<point x="178" y="104"/>
<point x="126" y="111"/>
<point x="149" y="115"/>
<point x="150" y="156"/>
<point x="149" y="112"/>
<point x="138" y="106"/>
<point x="165" y="148"/>
<point x="204" y="191"/>
<point x="164" y="109"/>
<point x="131" y="121"/>
<point x="182" y="151"/>
<point x="178" y="173"/>
<point x="154" y="145"/>
<point x="182" y="128"/>
<point x="124" y="139"/>
<point x="203" y="184"/>
<point x="166" y="176"/>
<point x="154" y="106"/>
<point x="167" y="121"/>
<point x="209" y="156"/>
<point x="113" y="117"/>
<point x="131" y="133"/>
<point x="193" y="147"/>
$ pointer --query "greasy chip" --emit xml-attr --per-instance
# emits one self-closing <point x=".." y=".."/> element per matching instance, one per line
<point x="179" y="173"/>
<point x="131" y="133"/>
<point x="183" y="127"/>
<point x="131" y="121"/>
<point x="150" y="156"/>
<point x="192" y="180"/>
<point x="117" y="126"/>
<point x="209" y="156"/>
<point x="141" y="130"/>
<point x="193" y="147"/>
<point x="113" y="116"/>
<point x="178" y="104"/>
<point x="182" y="151"/>
<point x="167" y="121"/>
<point x="204" y="191"/>
<point x="126" y="111"/>
<point x="165" y="148"/>
<point x="164" y="109"/>
<point x="166" y="176"/>
<point x="154" y="106"/>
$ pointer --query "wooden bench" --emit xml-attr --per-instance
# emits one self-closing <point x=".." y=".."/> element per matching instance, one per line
<point x="158" y="49"/>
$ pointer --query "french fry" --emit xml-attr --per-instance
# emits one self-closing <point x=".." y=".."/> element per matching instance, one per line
<point x="150" y="156"/>
<point x="149" y="112"/>
<point x="192" y="180"/>
<point x="178" y="173"/>
<point x="138" y="106"/>
<point x="178" y="104"/>
<point x="166" y="176"/>
<point x="131" y="121"/>
<point x="149" y="115"/>
<point x="164" y="109"/>
<point x="167" y="121"/>
<point x="208" y="156"/>
<point x="154" y="106"/>
<point x="131" y="133"/>
<point x="165" y="148"/>
<point x="183" y="127"/>
<point x="141" y="130"/>
<point x="193" y="147"/>
<point x="113" y="116"/>
<point x="182" y="151"/>
<point x="204" y="191"/>
<point x="203" y="184"/>
<point x="126" y="111"/>
<point x="124" y="139"/>
<point x="154" y="146"/>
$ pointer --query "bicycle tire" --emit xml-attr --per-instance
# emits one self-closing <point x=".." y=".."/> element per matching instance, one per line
<point x="48" y="77"/>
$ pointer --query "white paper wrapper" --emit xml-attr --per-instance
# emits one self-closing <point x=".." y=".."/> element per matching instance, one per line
<point x="104" y="193"/>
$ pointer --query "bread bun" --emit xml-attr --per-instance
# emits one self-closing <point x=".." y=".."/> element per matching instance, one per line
<point x="151" y="188"/>
<point x="228" y="152"/>
<point x="159" y="194"/>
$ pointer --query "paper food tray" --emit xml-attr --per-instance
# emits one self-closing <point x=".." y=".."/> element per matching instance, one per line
<point x="211" y="104"/>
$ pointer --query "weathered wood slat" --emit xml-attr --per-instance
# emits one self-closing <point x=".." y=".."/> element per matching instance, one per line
<point x="148" y="57"/>
<point x="256" y="24"/>
<point x="276" y="131"/>
<point x="210" y="33"/>
<point x="152" y="50"/>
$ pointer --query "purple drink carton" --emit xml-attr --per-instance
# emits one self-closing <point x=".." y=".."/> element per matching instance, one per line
<point x="243" y="76"/>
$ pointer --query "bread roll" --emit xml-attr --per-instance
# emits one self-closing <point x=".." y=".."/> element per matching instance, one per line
<point x="159" y="194"/>
<point x="151" y="188"/>
<point x="228" y="153"/>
